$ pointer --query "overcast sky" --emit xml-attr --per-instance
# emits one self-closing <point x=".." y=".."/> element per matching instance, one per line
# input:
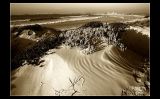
<point x="65" y="8"/>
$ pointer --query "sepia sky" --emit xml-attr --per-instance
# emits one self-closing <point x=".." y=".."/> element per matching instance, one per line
<point x="68" y="8"/>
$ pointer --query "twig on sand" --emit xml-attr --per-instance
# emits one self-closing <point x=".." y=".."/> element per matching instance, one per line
<point x="74" y="92"/>
<point x="77" y="80"/>
<point x="74" y="82"/>
<point x="59" y="92"/>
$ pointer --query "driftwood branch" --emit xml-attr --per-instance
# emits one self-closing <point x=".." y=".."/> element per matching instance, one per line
<point x="73" y="83"/>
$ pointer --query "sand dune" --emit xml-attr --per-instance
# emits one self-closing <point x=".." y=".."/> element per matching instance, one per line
<point x="104" y="72"/>
<point x="68" y="71"/>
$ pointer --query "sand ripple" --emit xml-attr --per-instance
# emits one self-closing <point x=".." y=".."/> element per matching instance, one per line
<point x="105" y="72"/>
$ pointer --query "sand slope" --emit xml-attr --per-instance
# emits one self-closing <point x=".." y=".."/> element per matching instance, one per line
<point x="69" y="72"/>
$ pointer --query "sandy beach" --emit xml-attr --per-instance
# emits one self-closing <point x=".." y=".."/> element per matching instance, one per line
<point x="105" y="72"/>
<point x="69" y="72"/>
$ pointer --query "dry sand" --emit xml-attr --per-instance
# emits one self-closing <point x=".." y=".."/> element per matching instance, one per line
<point x="69" y="72"/>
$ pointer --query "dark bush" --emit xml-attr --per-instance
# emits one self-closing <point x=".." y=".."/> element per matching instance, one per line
<point x="37" y="49"/>
<point x="35" y="27"/>
<point x="93" y="24"/>
<point x="118" y="27"/>
<point x="20" y="44"/>
<point x="33" y="54"/>
<point x="140" y="23"/>
<point x="14" y="29"/>
<point x="136" y="42"/>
